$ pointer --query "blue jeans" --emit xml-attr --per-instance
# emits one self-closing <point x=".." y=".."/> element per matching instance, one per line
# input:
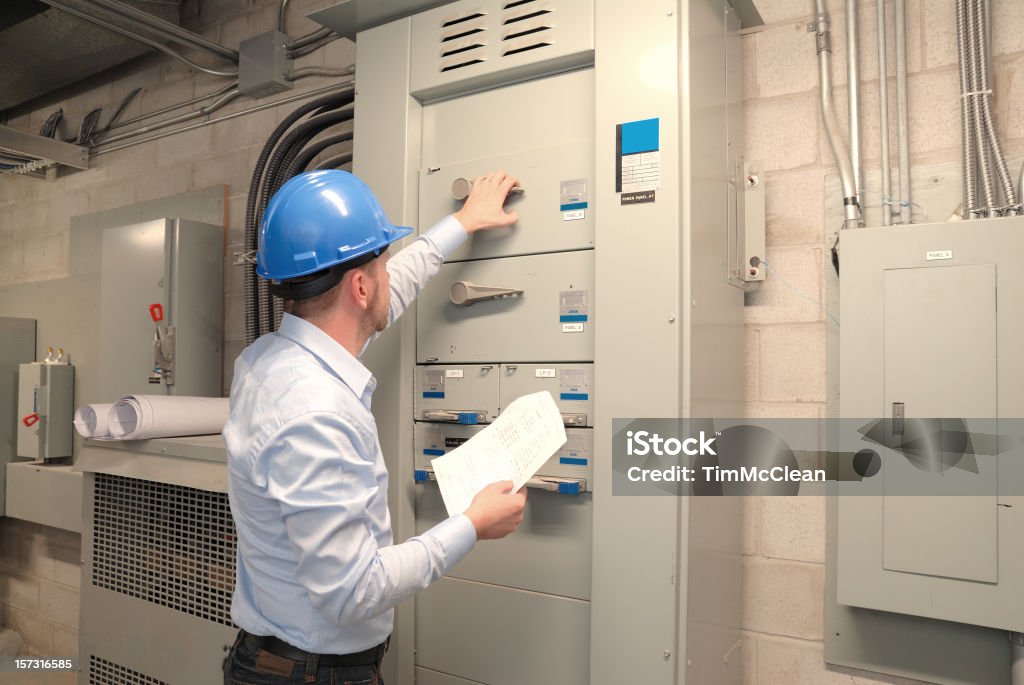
<point x="248" y="665"/>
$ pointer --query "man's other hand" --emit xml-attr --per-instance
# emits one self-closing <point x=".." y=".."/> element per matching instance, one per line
<point x="496" y="511"/>
<point x="484" y="207"/>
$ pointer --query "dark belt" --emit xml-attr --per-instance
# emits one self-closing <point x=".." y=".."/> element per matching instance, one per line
<point x="278" y="647"/>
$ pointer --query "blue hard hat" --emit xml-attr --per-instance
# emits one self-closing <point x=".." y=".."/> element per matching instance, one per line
<point x="319" y="219"/>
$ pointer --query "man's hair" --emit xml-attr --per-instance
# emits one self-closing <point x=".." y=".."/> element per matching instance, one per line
<point x="325" y="286"/>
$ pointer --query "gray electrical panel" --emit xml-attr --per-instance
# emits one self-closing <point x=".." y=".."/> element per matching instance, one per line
<point x="618" y="303"/>
<point x="932" y="318"/>
<point x="17" y="346"/>
<point x="161" y="309"/>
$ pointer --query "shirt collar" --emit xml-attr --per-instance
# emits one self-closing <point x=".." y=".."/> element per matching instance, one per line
<point x="349" y="369"/>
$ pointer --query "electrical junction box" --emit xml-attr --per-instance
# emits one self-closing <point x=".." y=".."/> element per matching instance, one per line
<point x="161" y="309"/>
<point x="263" y="65"/>
<point x="932" y="318"/>
<point x="46" y="397"/>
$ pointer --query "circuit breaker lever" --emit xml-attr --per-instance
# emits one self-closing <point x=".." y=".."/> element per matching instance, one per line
<point x="574" y="419"/>
<point x="468" y="418"/>
<point x="462" y="186"/>
<point x="563" y="486"/>
<point x="466" y="293"/>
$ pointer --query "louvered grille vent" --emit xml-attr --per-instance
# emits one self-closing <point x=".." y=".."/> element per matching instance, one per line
<point x="524" y="25"/>
<point x="166" y="544"/>
<point x="103" y="672"/>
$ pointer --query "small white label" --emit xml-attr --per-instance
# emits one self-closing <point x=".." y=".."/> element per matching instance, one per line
<point x="546" y="373"/>
<point x="453" y="373"/>
<point x="572" y="327"/>
<point x="938" y="254"/>
<point x="574" y="215"/>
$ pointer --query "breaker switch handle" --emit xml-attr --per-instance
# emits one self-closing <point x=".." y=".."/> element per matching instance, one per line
<point x="467" y="418"/>
<point x="467" y="293"/>
<point x="563" y="486"/>
<point x="461" y="187"/>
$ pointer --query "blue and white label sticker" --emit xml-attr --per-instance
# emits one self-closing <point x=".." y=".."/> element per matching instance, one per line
<point x="574" y="453"/>
<point x="433" y="384"/>
<point x="638" y="158"/>
<point x="573" y="306"/>
<point x="573" y="385"/>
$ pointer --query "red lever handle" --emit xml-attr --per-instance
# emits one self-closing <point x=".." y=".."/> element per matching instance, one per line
<point x="157" y="312"/>
<point x="30" y="420"/>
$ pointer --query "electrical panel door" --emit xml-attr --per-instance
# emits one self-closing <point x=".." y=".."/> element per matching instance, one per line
<point x="548" y="315"/>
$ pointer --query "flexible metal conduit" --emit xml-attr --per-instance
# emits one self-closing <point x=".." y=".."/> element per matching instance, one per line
<point x="851" y="208"/>
<point x="968" y="153"/>
<point x="902" y="125"/>
<point x="166" y="28"/>
<point x="883" y="114"/>
<point x="110" y="26"/>
<point x="981" y="148"/>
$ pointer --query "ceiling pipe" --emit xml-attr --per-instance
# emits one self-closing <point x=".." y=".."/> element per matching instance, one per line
<point x="166" y="28"/>
<point x="64" y="7"/>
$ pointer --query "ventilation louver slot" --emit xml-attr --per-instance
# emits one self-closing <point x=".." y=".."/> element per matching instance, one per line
<point x="516" y="3"/>
<point x="516" y="51"/>
<point x="166" y="544"/>
<point x="524" y="17"/>
<point x="461" y="34"/>
<point x="461" y="65"/>
<point x="458" y="20"/>
<point x="460" y="50"/>
<point x="103" y="672"/>
<point x="526" y="32"/>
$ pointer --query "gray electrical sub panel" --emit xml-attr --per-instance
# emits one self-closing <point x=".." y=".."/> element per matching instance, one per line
<point x="931" y="322"/>
<point x="17" y="346"/>
<point x="161" y="309"/>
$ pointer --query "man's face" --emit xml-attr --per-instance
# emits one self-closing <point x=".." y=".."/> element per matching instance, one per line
<point x="380" y="301"/>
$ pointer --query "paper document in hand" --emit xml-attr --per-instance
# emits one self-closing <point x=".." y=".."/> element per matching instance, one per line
<point x="513" y="448"/>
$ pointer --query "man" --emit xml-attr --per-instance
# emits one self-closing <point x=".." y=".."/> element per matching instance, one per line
<point x="318" y="573"/>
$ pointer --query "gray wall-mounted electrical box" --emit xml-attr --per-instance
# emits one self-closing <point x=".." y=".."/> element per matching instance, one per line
<point x="932" y="318"/>
<point x="172" y="268"/>
<point x="17" y="347"/>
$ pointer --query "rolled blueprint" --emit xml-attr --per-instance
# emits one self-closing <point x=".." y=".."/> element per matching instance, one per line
<point x="91" y="420"/>
<point x="138" y="417"/>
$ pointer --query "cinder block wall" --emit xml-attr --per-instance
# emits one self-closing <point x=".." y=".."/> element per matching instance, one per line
<point x="785" y="537"/>
<point x="39" y="566"/>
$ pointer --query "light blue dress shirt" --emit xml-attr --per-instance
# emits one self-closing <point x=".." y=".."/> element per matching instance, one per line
<point x="317" y="566"/>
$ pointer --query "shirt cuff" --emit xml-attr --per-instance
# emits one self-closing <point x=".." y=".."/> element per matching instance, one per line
<point x="448" y="235"/>
<point x="457" y="535"/>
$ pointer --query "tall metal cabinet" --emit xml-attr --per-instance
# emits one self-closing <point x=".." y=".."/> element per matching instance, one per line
<point x="624" y="123"/>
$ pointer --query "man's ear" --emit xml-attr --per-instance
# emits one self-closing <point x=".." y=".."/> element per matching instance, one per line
<point x="358" y="287"/>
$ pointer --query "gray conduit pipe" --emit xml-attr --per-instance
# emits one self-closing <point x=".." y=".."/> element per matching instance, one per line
<point x="883" y="116"/>
<point x="136" y="37"/>
<point x="853" y="92"/>
<point x="903" y="127"/>
<point x="1017" y="658"/>
<point x="180" y="119"/>
<point x="172" y="31"/>
<point x="851" y="208"/>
